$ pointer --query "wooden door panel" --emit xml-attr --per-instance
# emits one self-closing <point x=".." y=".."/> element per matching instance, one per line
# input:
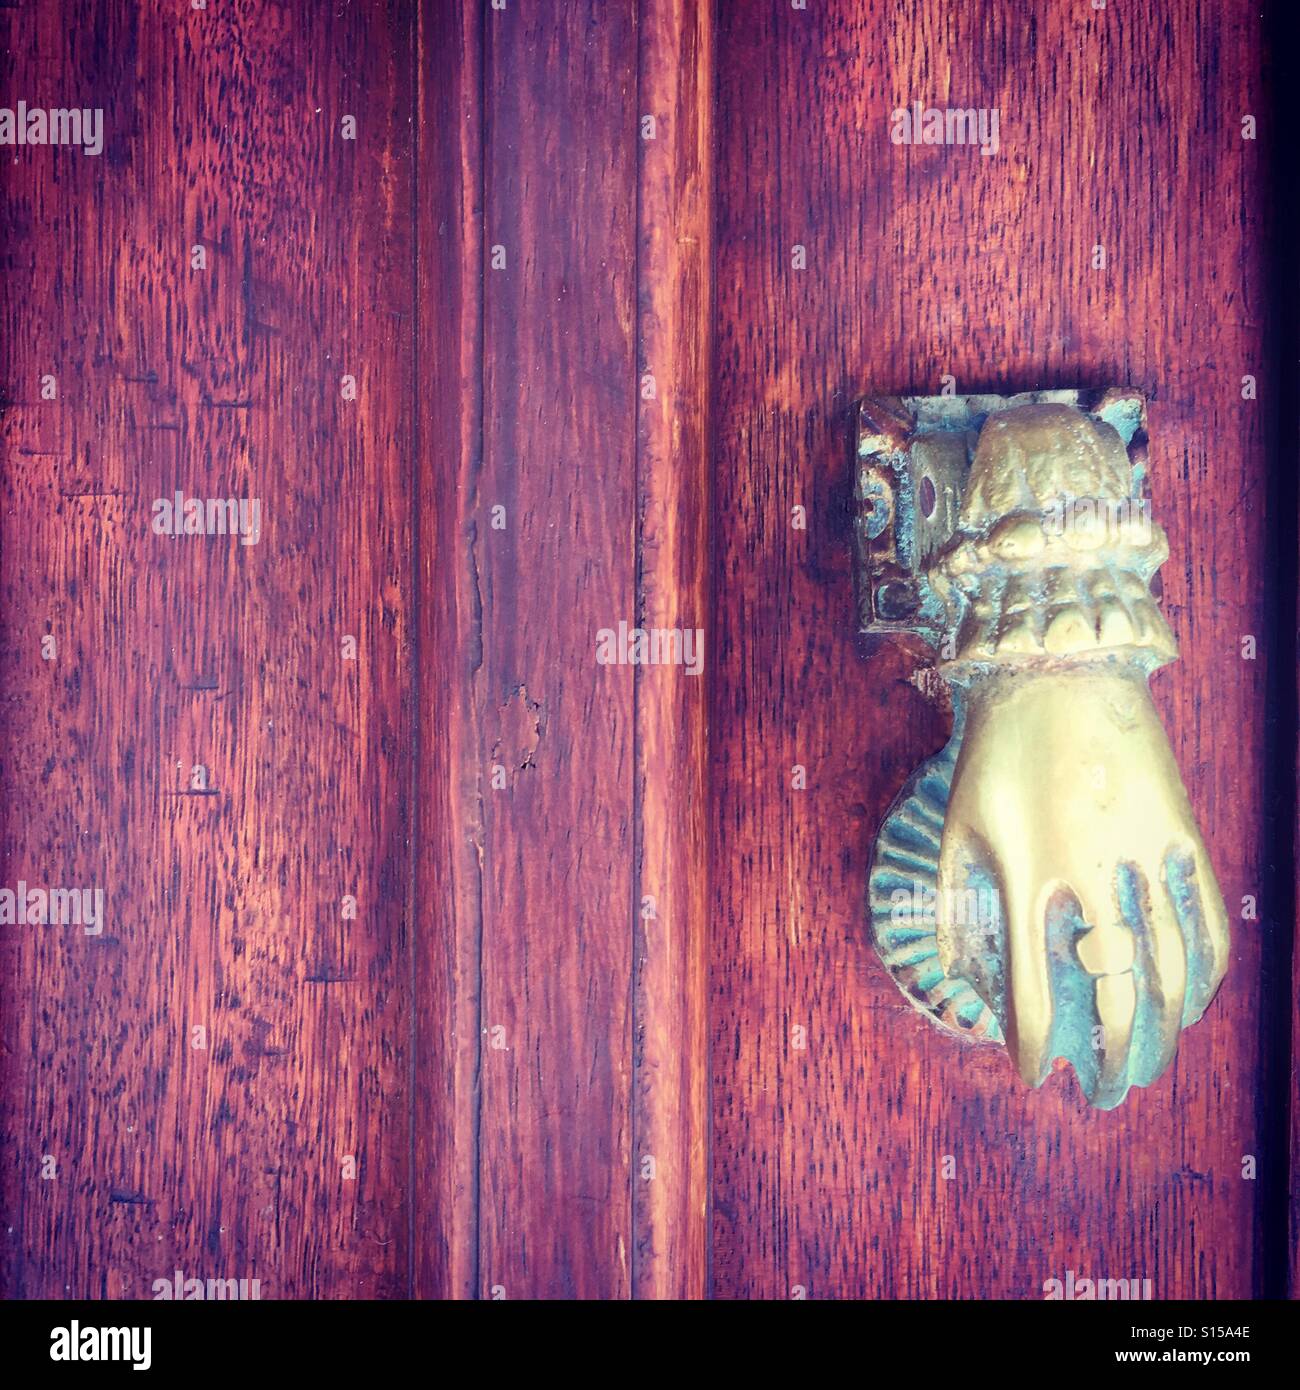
<point x="218" y="1077"/>
<point x="559" y="397"/>
<point x="923" y="262"/>
<point x="608" y="280"/>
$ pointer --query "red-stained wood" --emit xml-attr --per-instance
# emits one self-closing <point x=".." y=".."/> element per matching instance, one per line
<point x="670" y="1102"/>
<point x="451" y="770"/>
<point x="607" y="1023"/>
<point x="559" y="413"/>
<point x="561" y="843"/>
<point x="1119" y="127"/>
<point x="276" y="1150"/>
<point x="1284" y="589"/>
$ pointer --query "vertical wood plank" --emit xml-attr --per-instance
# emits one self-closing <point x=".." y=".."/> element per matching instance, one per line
<point x="559" y="420"/>
<point x="501" y="259"/>
<point x="1119" y="127"/>
<point x="670" y="1033"/>
<point x="1281" y="1191"/>
<point x="272" y="1144"/>
<point x="452" y="770"/>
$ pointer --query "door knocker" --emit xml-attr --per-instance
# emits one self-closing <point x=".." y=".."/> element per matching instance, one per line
<point x="1041" y="882"/>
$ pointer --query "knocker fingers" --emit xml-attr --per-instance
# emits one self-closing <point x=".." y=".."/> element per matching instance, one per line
<point x="1204" y="920"/>
<point x="1153" y="970"/>
<point x="1099" y="970"/>
<point x="1159" y="972"/>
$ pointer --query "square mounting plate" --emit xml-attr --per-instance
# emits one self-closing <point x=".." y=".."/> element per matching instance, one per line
<point x="914" y="453"/>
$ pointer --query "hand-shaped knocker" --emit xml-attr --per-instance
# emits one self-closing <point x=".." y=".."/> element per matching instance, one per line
<point x="1042" y="881"/>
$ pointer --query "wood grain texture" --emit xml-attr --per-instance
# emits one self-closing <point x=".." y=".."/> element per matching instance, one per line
<point x="564" y="259"/>
<point x="670" y="1029"/>
<point x="504" y="1034"/>
<point x="1120" y="128"/>
<point x="1284" y="589"/>
<point x="224" y="892"/>
<point x="451" y="769"/>
<point x="559" y="415"/>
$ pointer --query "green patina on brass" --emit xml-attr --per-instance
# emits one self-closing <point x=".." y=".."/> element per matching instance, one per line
<point x="1041" y="882"/>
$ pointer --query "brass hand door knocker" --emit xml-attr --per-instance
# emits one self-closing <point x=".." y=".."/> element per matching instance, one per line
<point x="1041" y="882"/>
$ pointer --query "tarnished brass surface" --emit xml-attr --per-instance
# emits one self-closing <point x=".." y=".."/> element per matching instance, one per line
<point x="1042" y="882"/>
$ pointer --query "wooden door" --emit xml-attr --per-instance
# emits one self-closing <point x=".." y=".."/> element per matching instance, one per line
<point x="443" y="956"/>
<point x="926" y="262"/>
